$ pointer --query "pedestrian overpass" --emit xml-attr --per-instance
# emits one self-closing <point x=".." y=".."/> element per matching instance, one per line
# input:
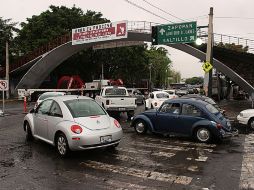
<point x="39" y="64"/>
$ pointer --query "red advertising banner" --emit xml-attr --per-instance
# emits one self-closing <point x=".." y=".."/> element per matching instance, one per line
<point x="100" y="32"/>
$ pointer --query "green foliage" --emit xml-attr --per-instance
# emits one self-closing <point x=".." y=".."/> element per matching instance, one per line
<point x="55" y="22"/>
<point x="160" y="65"/>
<point x="194" y="80"/>
<point x="234" y="47"/>
<point x="6" y="34"/>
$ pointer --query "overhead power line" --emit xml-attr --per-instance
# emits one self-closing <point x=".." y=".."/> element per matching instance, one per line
<point x="231" y="17"/>
<point x="163" y="10"/>
<point x="140" y="7"/>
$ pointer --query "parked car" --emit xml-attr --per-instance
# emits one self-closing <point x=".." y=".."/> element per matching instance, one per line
<point x="172" y="93"/>
<point x="72" y="123"/>
<point x="246" y="117"/>
<point x="206" y="99"/>
<point x="188" y="117"/>
<point x="182" y="91"/>
<point x="133" y="92"/>
<point x="155" y="99"/>
<point x="45" y="95"/>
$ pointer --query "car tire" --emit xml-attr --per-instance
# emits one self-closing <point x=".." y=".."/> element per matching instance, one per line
<point x="203" y="135"/>
<point x="140" y="127"/>
<point x="251" y="123"/>
<point x="29" y="135"/>
<point x="62" y="145"/>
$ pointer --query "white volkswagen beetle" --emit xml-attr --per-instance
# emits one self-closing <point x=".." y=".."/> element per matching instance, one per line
<point x="246" y="117"/>
<point x="155" y="99"/>
<point x="72" y="123"/>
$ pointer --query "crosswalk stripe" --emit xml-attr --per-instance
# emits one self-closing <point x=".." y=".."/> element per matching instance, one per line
<point x="152" y="153"/>
<point x="184" y="180"/>
<point x="247" y="172"/>
<point x="112" y="183"/>
<point x="181" y="143"/>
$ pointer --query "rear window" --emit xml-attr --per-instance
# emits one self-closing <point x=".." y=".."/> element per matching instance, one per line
<point x="211" y="108"/>
<point x="115" y="92"/>
<point x="44" y="96"/>
<point x="162" y="95"/>
<point x="84" y="108"/>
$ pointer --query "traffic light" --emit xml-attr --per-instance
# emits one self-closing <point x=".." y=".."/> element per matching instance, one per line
<point x="154" y="35"/>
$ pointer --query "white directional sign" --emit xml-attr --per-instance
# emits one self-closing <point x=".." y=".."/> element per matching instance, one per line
<point x="100" y="32"/>
<point x="4" y="85"/>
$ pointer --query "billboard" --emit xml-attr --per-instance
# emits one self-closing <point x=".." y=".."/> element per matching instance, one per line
<point x="100" y="32"/>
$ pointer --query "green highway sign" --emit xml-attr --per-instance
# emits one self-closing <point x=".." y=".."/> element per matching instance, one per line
<point x="174" y="33"/>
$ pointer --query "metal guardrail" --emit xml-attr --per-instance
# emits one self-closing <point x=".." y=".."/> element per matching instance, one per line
<point x="133" y="26"/>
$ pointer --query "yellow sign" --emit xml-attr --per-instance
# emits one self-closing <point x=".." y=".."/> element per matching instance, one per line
<point x="207" y="66"/>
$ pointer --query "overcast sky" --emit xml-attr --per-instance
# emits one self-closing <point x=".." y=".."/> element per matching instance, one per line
<point x="241" y="25"/>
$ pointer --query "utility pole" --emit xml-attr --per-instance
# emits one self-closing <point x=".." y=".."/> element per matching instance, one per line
<point x="209" y="56"/>
<point x="7" y="67"/>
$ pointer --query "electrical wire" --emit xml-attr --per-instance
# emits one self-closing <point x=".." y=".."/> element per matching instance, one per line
<point x="163" y="10"/>
<point x="140" y="7"/>
<point x="231" y="17"/>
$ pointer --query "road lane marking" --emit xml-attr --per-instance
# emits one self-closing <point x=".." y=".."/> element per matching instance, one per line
<point x="152" y="153"/>
<point x="247" y="172"/>
<point x="182" y="143"/>
<point x="116" y="184"/>
<point x="145" y="174"/>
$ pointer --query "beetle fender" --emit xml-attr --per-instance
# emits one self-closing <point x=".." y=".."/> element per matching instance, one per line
<point x="205" y="123"/>
<point x="146" y="119"/>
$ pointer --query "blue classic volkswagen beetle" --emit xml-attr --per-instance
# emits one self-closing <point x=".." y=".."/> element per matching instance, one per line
<point x="188" y="117"/>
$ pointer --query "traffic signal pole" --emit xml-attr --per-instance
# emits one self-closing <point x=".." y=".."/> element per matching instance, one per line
<point x="209" y="56"/>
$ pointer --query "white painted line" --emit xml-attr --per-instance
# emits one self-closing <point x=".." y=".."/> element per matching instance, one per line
<point x="247" y="172"/>
<point x="152" y="153"/>
<point x="116" y="184"/>
<point x="145" y="174"/>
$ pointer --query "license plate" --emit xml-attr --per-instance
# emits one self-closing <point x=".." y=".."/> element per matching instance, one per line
<point x="105" y="139"/>
<point x="121" y="109"/>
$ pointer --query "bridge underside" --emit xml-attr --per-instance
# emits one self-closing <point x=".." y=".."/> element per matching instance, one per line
<point x="48" y="62"/>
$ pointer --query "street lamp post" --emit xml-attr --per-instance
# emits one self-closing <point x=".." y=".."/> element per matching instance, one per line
<point x="6" y="64"/>
<point x="7" y="67"/>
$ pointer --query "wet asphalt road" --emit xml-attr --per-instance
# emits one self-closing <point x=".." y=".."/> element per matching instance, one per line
<point x="140" y="162"/>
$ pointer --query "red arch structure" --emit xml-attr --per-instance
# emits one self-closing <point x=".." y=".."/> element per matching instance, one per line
<point x="70" y="82"/>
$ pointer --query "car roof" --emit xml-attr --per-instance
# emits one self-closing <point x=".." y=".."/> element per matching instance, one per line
<point x="70" y="97"/>
<point x="48" y="93"/>
<point x="158" y="92"/>
<point x="187" y="100"/>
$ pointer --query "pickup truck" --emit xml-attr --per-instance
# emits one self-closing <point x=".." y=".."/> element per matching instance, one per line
<point x="116" y="100"/>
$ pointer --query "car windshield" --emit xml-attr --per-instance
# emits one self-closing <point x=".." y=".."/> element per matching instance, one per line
<point x="211" y="108"/>
<point x="115" y="92"/>
<point x="162" y="95"/>
<point x="84" y="108"/>
<point x="44" y="96"/>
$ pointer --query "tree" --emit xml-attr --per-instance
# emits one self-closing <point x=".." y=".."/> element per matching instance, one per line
<point x="6" y="34"/>
<point x="194" y="80"/>
<point x="160" y="65"/>
<point x="55" y="22"/>
<point x="234" y="47"/>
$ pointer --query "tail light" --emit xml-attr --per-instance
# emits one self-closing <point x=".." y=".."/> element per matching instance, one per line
<point x="107" y="102"/>
<point x="219" y="126"/>
<point x="155" y="103"/>
<point x="76" y="129"/>
<point x="117" y="124"/>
